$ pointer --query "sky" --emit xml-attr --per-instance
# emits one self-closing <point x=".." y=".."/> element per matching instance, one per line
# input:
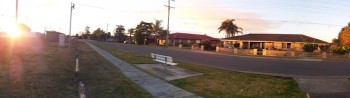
<point x="322" y="19"/>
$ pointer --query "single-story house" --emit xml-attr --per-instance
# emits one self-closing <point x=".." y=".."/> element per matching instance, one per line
<point x="187" y="39"/>
<point x="294" y="42"/>
<point x="52" y="35"/>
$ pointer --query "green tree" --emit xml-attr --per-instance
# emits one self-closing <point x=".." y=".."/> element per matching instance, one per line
<point x="310" y="47"/>
<point x="98" y="34"/>
<point x="120" y="33"/>
<point x="142" y="31"/>
<point x="158" y="30"/>
<point x="230" y="28"/>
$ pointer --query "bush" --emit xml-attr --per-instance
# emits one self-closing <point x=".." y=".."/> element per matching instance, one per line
<point x="208" y="45"/>
<point x="310" y="47"/>
<point x="342" y="49"/>
<point x="236" y="45"/>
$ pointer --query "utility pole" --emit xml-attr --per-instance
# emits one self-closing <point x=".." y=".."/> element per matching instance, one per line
<point x="16" y="11"/>
<point x="107" y="28"/>
<point x="70" y="22"/>
<point x="168" y="31"/>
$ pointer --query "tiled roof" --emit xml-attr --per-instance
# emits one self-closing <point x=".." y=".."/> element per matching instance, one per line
<point x="276" y="37"/>
<point x="188" y="36"/>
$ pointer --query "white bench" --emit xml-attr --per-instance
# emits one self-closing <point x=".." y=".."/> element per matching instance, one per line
<point x="164" y="60"/>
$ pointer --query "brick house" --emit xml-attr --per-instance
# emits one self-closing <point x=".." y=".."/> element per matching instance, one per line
<point x="294" y="42"/>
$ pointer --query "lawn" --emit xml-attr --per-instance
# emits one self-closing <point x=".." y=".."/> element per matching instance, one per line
<point x="222" y="83"/>
<point x="42" y="70"/>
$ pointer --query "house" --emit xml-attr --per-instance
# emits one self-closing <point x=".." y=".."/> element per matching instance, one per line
<point x="52" y="36"/>
<point x="187" y="39"/>
<point x="294" y="42"/>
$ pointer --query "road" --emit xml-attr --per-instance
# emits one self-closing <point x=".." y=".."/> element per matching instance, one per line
<point x="270" y="66"/>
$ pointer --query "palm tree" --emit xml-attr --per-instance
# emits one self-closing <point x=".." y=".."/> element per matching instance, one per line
<point x="158" y="30"/>
<point x="230" y="28"/>
<point x="131" y="31"/>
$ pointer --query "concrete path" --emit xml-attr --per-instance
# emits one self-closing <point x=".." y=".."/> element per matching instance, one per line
<point x="155" y="86"/>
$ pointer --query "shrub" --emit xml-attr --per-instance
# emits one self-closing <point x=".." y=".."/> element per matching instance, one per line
<point x="236" y="45"/>
<point x="310" y="47"/>
<point x="342" y="49"/>
<point x="208" y="45"/>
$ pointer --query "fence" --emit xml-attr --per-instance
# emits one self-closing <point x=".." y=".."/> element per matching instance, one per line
<point x="237" y="51"/>
<point x="282" y="53"/>
<point x="195" y="47"/>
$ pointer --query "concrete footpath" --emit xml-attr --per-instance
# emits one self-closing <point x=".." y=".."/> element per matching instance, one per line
<point x="156" y="87"/>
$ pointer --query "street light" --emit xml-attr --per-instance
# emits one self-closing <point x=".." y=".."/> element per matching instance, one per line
<point x="70" y="21"/>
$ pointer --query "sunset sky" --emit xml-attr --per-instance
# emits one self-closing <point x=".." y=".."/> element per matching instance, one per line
<point x="322" y="19"/>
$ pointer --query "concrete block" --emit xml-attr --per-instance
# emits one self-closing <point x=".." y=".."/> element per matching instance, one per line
<point x="324" y="55"/>
<point x="292" y="54"/>
<point x="235" y="51"/>
<point x="61" y="40"/>
<point x="255" y="51"/>
<point x="180" y="46"/>
<point x="217" y="49"/>
<point x="264" y="52"/>
<point x="202" y="47"/>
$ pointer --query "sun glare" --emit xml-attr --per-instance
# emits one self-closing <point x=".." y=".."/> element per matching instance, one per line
<point x="14" y="32"/>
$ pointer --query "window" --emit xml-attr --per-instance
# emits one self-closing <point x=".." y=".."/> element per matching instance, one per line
<point x="198" y="41"/>
<point x="286" y="45"/>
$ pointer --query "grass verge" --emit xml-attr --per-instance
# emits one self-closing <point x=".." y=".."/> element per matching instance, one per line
<point x="103" y="79"/>
<point x="222" y="83"/>
<point x="42" y="70"/>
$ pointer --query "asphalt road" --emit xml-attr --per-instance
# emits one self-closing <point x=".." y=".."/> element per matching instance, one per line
<point x="271" y="66"/>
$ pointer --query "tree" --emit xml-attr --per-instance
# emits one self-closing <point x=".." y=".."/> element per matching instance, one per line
<point x="158" y="30"/>
<point x="344" y="35"/>
<point x="131" y="31"/>
<point x="310" y="47"/>
<point x="142" y="31"/>
<point x="120" y="33"/>
<point x="98" y="34"/>
<point x="109" y="35"/>
<point x="87" y="31"/>
<point x="230" y="28"/>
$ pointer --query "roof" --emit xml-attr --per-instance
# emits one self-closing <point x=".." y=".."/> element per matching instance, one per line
<point x="188" y="36"/>
<point x="277" y="37"/>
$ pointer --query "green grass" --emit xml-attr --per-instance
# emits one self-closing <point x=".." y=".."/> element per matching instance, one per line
<point x="103" y="79"/>
<point x="222" y="83"/>
<point x="49" y="73"/>
<point x="127" y="56"/>
<point x="37" y="74"/>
